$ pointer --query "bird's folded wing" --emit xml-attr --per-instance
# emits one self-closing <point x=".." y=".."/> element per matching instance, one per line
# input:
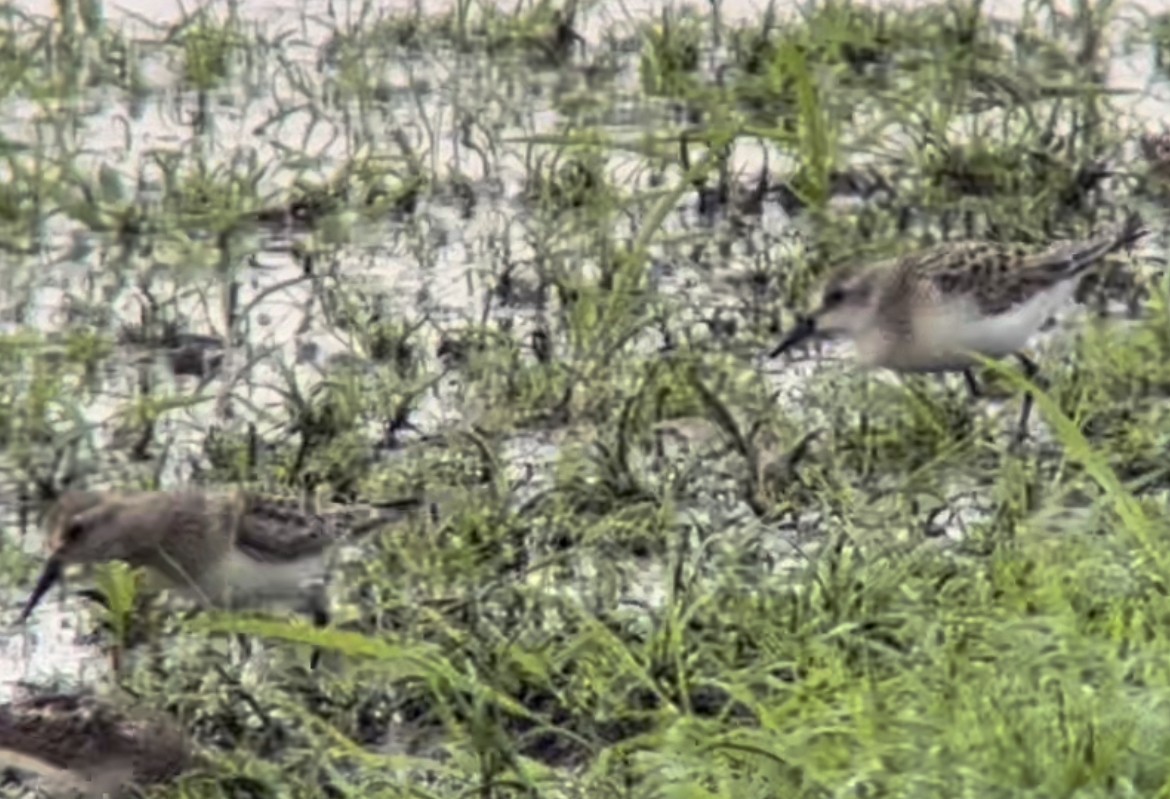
<point x="279" y="531"/>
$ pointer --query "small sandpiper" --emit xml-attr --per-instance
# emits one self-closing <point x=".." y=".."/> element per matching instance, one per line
<point x="224" y="549"/>
<point x="1155" y="148"/>
<point x="80" y="745"/>
<point x="928" y="311"/>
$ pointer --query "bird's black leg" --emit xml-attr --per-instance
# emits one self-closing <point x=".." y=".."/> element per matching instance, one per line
<point x="319" y="610"/>
<point x="972" y="384"/>
<point x="243" y="640"/>
<point x="1030" y="371"/>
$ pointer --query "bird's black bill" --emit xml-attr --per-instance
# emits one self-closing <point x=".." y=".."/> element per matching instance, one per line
<point x="49" y="577"/>
<point x="805" y="328"/>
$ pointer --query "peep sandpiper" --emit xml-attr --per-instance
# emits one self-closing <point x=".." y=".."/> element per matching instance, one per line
<point x="928" y="311"/>
<point x="80" y="745"/>
<point x="225" y="549"/>
<point x="1155" y="148"/>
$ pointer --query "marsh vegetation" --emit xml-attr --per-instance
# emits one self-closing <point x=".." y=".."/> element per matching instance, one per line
<point x="522" y="260"/>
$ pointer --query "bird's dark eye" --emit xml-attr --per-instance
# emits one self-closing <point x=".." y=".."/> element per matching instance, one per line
<point x="834" y="296"/>
<point x="72" y="531"/>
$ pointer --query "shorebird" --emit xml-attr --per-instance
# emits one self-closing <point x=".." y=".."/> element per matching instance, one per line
<point x="224" y="549"/>
<point x="80" y="745"/>
<point x="928" y="311"/>
<point x="1155" y="149"/>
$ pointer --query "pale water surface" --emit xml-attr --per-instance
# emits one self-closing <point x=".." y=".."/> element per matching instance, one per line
<point x="114" y="135"/>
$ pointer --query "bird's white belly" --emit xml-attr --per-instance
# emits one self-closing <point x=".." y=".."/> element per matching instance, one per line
<point x="996" y="336"/>
<point x="242" y="580"/>
<point x="86" y="779"/>
<point x="46" y="777"/>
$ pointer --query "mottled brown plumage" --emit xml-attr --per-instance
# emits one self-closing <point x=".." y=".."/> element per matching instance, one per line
<point x="80" y="744"/>
<point x="950" y="300"/>
<point x="935" y="309"/>
<point x="1155" y="149"/>
<point x="226" y="548"/>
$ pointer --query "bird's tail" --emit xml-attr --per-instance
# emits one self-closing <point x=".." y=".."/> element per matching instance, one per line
<point x="380" y="514"/>
<point x="1067" y="260"/>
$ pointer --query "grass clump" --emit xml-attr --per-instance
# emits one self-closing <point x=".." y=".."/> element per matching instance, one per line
<point x="897" y="669"/>
<point x="523" y="271"/>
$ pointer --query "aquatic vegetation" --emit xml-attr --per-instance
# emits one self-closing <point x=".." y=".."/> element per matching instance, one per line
<point x="521" y="261"/>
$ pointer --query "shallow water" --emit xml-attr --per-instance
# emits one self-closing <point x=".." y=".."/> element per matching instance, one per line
<point x="434" y="260"/>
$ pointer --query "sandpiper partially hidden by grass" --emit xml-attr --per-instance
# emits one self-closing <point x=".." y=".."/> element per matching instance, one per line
<point x="928" y="311"/>
<point x="228" y="549"/>
<point x="1155" y="148"/>
<point x="80" y="745"/>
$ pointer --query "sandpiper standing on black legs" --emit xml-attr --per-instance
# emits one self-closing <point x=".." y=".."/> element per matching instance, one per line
<point x="224" y="549"/>
<point x="928" y="311"/>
